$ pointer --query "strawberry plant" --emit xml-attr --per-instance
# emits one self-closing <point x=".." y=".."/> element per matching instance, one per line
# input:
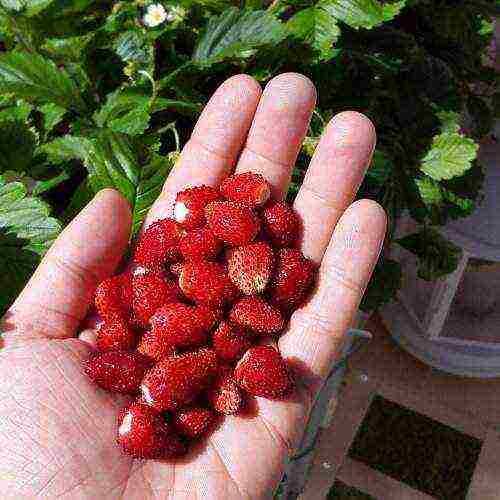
<point x="100" y="94"/>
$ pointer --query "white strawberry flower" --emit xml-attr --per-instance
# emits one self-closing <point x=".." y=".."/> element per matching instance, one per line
<point x="155" y="15"/>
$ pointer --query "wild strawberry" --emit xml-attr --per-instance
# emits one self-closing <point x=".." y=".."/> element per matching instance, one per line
<point x="159" y="244"/>
<point x="190" y="204"/>
<point x="250" y="267"/>
<point x="111" y="297"/>
<point x="255" y="314"/>
<point x="176" y="381"/>
<point x="143" y="433"/>
<point x="151" y="291"/>
<point x="225" y="396"/>
<point x="117" y="371"/>
<point x="192" y="421"/>
<point x="206" y="283"/>
<point x="230" y="341"/>
<point x="115" y="335"/>
<point x="176" y="325"/>
<point x="248" y="188"/>
<point x="176" y="268"/>
<point x="280" y="223"/>
<point x="233" y="223"/>
<point x="200" y="244"/>
<point x="263" y="372"/>
<point x="292" y="279"/>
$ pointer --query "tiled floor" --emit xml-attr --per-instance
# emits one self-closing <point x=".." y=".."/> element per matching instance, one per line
<point x="382" y="368"/>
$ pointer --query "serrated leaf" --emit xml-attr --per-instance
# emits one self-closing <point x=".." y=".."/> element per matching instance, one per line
<point x="14" y="110"/>
<point x="237" y="33"/>
<point x="68" y="49"/>
<point x="436" y="255"/>
<point x="35" y="78"/>
<point x="17" y="145"/>
<point x="134" y="122"/>
<point x="68" y="147"/>
<point x="362" y="13"/>
<point x="52" y="115"/>
<point x="28" y="7"/>
<point x="134" y="47"/>
<point x="316" y="27"/>
<point x="429" y="190"/>
<point x="46" y="185"/>
<point x="152" y="178"/>
<point x="386" y="280"/>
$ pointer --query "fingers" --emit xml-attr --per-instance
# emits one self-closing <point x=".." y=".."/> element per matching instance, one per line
<point x="333" y="178"/>
<point x="317" y="330"/>
<point x="57" y="297"/>
<point x="216" y="141"/>
<point x="278" y="129"/>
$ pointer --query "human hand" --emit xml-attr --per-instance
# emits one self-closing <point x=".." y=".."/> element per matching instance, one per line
<point x="57" y="430"/>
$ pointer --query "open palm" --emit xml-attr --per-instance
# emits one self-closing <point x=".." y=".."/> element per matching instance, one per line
<point x="57" y="430"/>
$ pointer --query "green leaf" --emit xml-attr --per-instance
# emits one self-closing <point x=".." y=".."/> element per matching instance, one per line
<point x="17" y="145"/>
<point x="46" y="185"/>
<point x="134" y="47"/>
<point x="237" y="33"/>
<point x="362" y="13"/>
<point x="437" y="256"/>
<point x="451" y="154"/>
<point x="316" y="27"/>
<point x="429" y="190"/>
<point x="36" y="78"/>
<point x="386" y="280"/>
<point x="68" y="49"/>
<point x="28" y="7"/>
<point x="68" y="147"/>
<point x="52" y="115"/>
<point x="152" y="178"/>
<point x="134" y="122"/>
<point x="14" y="109"/>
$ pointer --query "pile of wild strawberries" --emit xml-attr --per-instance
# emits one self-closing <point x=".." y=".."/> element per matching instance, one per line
<point x="181" y="326"/>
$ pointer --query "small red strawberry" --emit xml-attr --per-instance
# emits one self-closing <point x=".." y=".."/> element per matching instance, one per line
<point x="159" y="244"/>
<point x="255" y="314"/>
<point x="111" y="297"/>
<point x="292" y="279"/>
<point x="200" y="244"/>
<point x="117" y="371"/>
<point x="206" y="283"/>
<point x="115" y="336"/>
<point x="225" y="396"/>
<point x="233" y="223"/>
<point x="248" y="188"/>
<point x="250" y="267"/>
<point x="143" y="433"/>
<point x="176" y="268"/>
<point x="193" y="421"/>
<point x="176" y="325"/>
<point x="190" y="204"/>
<point x="263" y="372"/>
<point x="176" y="381"/>
<point x="230" y="341"/>
<point x="150" y="292"/>
<point x="280" y="223"/>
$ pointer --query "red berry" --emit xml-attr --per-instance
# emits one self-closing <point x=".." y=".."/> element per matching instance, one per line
<point x="250" y="267"/>
<point x="176" y="325"/>
<point x="190" y="204"/>
<point x="280" y="223"/>
<point x="193" y="421"/>
<point x="263" y="372"/>
<point x="159" y="244"/>
<point x="206" y="283"/>
<point x="150" y="292"/>
<point x="248" y="188"/>
<point x="117" y="371"/>
<point x="111" y="297"/>
<point x="143" y="433"/>
<point x="233" y="223"/>
<point x="115" y="336"/>
<point x="176" y="381"/>
<point x="255" y="314"/>
<point x="225" y="396"/>
<point x="230" y="341"/>
<point x="292" y="279"/>
<point x="200" y="244"/>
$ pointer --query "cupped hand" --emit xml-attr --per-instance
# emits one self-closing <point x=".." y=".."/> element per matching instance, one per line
<point x="57" y="430"/>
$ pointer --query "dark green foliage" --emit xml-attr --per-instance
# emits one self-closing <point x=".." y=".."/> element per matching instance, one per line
<point x="92" y="97"/>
